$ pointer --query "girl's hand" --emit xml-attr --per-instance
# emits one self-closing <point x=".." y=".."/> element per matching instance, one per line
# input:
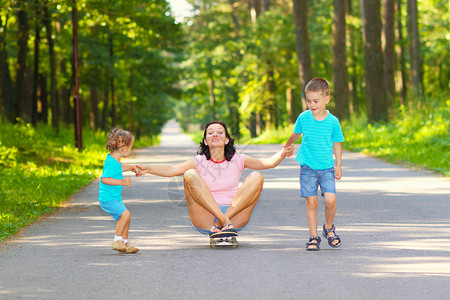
<point x="126" y="182"/>
<point x="141" y="170"/>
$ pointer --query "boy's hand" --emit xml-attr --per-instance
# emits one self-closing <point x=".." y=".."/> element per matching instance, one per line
<point x="338" y="173"/>
<point x="287" y="151"/>
<point x="126" y="181"/>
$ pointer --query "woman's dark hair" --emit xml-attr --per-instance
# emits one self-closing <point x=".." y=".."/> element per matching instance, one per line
<point x="230" y="150"/>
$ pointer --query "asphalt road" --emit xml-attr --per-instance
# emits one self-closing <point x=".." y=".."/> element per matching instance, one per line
<point x="394" y="223"/>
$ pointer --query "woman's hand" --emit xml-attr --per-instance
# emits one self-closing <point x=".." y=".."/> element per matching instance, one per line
<point x="141" y="170"/>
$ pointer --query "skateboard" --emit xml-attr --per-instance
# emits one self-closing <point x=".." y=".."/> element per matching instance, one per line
<point x="228" y="241"/>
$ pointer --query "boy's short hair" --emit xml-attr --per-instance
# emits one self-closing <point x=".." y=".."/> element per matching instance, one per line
<point x="318" y="85"/>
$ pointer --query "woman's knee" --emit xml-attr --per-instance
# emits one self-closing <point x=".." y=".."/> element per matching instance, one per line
<point x="256" y="177"/>
<point x="189" y="174"/>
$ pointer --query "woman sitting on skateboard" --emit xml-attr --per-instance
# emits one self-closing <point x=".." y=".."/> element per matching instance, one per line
<point x="216" y="202"/>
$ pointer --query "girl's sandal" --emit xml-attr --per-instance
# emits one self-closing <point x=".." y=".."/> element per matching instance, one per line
<point x="313" y="241"/>
<point x="331" y="239"/>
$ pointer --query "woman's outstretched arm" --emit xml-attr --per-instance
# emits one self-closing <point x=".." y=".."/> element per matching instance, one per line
<point x="166" y="170"/>
<point x="270" y="162"/>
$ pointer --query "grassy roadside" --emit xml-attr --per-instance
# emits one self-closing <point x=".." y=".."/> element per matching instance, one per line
<point x="40" y="169"/>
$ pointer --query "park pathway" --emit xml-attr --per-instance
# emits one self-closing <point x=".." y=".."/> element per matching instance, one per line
<point x="394" y="222"/>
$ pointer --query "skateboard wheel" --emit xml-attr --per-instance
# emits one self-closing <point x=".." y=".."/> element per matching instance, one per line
<point x="234" y="242"/>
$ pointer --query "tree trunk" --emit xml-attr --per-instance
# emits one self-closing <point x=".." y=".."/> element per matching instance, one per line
<point x="111" y="79"/>
<point x="373" y="61"/>
<point x="415" y="72"/>
<point x="65" y="95"/>
<point x="340" y="61"/>
<point x="389" y="49"/>
<point x="3" y="69"/>
<point x="93" y="107"/>
<point x="43" y="99"/>
<point x="355" y="85"/>
<point x="105" y="110"/>
<point x="292" y="105"/>
<point x="19" y="104"/>
<point x="302" y="45"/>
<point x="401" y="55"/>
<point x="51" y="48"/>
<point x="212" y="97"/>
<point x="131" y="103"/>
<point x="37" y="40"/>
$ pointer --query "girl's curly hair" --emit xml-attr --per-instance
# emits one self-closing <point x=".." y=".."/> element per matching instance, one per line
<point x="117" y="138"/>
<point x="230" y="150"/>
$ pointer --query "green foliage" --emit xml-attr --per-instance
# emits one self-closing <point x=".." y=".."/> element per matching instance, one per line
<point x="415" y="137"/>
<point x="40" y="169"/>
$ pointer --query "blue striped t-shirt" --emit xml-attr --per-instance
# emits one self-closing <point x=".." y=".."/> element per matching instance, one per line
<point x="317" y="140"/>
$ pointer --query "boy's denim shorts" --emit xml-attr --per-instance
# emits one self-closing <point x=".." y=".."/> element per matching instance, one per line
<point x="310" y="180"/>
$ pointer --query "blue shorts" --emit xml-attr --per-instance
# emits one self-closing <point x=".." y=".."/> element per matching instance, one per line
<point x="114" y="207"/>
<point x="223" y="208"/>
<point x="310" y="180"/>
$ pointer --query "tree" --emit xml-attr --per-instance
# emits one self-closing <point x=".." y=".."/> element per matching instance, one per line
<point x="302" y="42"/>
<point x="51" y="52"/>
<point x="20" y="107"/>
<point x="373" y="61"/>
<point x="389" y="49"/>
<point x="415" y="72"/>
<point x="401" y="53"/>
<point x="340" y="61"/>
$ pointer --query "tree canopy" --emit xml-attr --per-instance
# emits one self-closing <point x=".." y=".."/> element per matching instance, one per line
<point x="244" y="62"/>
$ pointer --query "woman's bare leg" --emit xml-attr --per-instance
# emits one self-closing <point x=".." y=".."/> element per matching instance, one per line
<point x="245" y="200"/>
<point x="201" y="203"/>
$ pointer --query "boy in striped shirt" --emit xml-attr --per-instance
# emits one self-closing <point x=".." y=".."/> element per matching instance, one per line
<point x="320" y="132"/>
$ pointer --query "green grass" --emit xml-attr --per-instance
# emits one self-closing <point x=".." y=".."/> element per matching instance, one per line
<point x="40" y="169"/>
<point x="416" y="138"/>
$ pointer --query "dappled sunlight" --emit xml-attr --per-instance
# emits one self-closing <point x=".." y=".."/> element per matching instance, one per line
<point x="417" y="244"/>
<point x="389" y="250"/>
<point x="408" y="267"/>
<point x="405" y="185"/>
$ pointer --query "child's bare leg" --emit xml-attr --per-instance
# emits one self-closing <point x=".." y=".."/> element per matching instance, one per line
<point x="123" y="223"/>
<point x="201" y="203"/>
<point x="243" y="203"/>
<point x="312" y="203"/>
<point x="126" y="229"/>
<point x="330" y="213"/>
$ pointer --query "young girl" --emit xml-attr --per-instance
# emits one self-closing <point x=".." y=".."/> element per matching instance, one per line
<point x="119" y="143"/>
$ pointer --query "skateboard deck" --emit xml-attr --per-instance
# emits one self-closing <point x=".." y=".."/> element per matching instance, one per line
<point x="229" y="241"/>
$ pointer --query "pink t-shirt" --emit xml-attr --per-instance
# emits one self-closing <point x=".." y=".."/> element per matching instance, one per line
<point x="222" y="178"/>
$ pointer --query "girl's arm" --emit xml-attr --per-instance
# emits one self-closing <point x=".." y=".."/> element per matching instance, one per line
<point x="268" y="163"/>
<point x="338" y="154"/>
<point x="167" y="170"/>
<point x="112" y="181"/>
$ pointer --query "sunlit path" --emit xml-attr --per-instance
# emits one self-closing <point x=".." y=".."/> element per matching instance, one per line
<point x="394" y="222"/>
